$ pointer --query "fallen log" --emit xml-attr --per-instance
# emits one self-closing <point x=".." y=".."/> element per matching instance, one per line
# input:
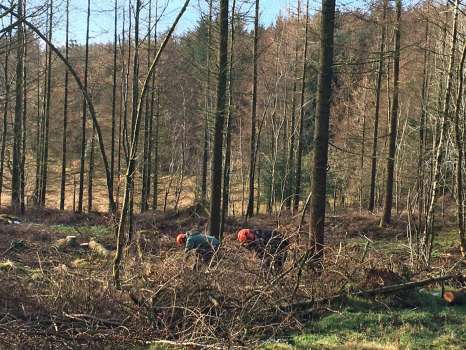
<point x="99" y="248"/>
<point x="68" y="242"/>
<point x="455" y="297"/>
<point x="307" y="305"/>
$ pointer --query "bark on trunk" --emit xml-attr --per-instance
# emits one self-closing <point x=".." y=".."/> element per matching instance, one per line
<point x="253" y="150"/>
<point x="388" y="203"/>
<point x="216" y="185"/>
<point x="321" y="137"/>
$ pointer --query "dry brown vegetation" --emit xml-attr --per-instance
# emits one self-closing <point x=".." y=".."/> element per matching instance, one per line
<point x="58" y="298"/>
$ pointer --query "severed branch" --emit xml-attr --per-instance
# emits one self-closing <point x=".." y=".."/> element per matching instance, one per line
<point x="307" y="305"/>
<point x="86" y="318"/>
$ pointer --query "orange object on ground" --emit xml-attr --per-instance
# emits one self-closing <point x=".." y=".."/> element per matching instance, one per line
<point x="246" y="235"/>
<point x="181" y="239"/>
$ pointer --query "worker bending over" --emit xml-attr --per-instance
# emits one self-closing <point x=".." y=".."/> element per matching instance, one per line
<point x="269" y="245"/>
<point x="203" y="245"/>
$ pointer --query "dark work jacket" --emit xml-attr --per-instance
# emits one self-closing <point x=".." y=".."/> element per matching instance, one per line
<point x="268" y="242"/>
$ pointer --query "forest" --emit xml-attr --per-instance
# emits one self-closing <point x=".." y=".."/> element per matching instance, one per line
<point x="232" y="174"/>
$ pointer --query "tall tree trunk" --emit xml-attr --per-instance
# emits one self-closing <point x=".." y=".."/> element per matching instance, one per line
<point x="227" y="167"/>
<point x="24" y="134"/>
<point x="378" y="89"/>
<point x="216" y="185"/>
<point x="147" y="127"/>
<point x="253" y="151"/>
<point x="459" y="165"/>
<point x="65" y="114"/>
<point x="122" y="107"/>
<point x="155" y="179"/>
<point x="428" y="236"/>
<point x="363" y="152"/>
<point x="388" y="203"/>
<point x="6" y="107"/>
<point x="84" y="118"/>
<point x="126" y="88"/>
<point x="133" y="151"/>
<point x="17" y="126"/>
<point x="134" y="111"/>
<point x="290" y="165"/>
<point x="297" y="192"/>
<point x="114" y="91"/>
<point x="152" y="141"/>
<point x="90" y="177"/>
<point x="321" y="134"/>
<point x="422" y="137"/>
<point x="46" y="127"/>
<point x="39" y="130"/>
<point x="207" y="106"/>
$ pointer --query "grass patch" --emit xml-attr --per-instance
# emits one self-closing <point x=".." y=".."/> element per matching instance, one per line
<point x="91" y="230"/>
<point x="368" y="325"/>
<point x="447" y="239"/>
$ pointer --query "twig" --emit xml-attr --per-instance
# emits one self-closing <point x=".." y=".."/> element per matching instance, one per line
<point x="83" y="317"/>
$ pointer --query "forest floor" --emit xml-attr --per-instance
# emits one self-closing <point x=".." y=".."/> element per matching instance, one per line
<point x="56" y="296"/>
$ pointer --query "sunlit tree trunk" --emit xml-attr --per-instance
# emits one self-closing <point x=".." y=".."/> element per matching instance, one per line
<point x="216" y="185"/>
<point x="422" y="136"/>
<point x="6" y="107"/>
<point x="155" y="110"/>
<point x="134" y="113"/>
<point x="378" y="92"/>
<point x="321" y="134"/>
<point x="65" y="114"/>
<point x="388" y="203"/>
<point x="207" y="111"/>
<point x="291" y="151"/>
<point x="459" y="137"/>
<point x="24" y="131"/>
<point x="297" y="193"/>
<point x="253" y="150"/>
<point x="134" y="149"/>
<point x="46" y="119"/>
<point x="229" y="126"/>
<point x="428" y="236"/>
<point x="90" y="176"/>
<point x="114" y="91"/>
<point x="84" y="117"/>
<point x="18" y="117"/>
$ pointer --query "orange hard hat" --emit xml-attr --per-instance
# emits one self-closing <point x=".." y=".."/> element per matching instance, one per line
<point x="246" y="235"/>
<point x="181" y="238"/>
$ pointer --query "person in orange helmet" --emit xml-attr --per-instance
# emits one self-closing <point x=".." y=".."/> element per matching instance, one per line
<point x="269" y="245"/>
<point x="203" y="245"/>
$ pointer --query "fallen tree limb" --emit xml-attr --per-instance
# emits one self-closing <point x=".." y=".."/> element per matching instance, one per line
<point x="87" y="318"/>
<point x="306" y="305"/>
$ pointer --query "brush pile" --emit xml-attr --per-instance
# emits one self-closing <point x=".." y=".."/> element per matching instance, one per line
<point x="64" y="298"/>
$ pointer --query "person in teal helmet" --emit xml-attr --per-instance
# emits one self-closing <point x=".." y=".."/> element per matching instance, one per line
<point x="205" y="246"/>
